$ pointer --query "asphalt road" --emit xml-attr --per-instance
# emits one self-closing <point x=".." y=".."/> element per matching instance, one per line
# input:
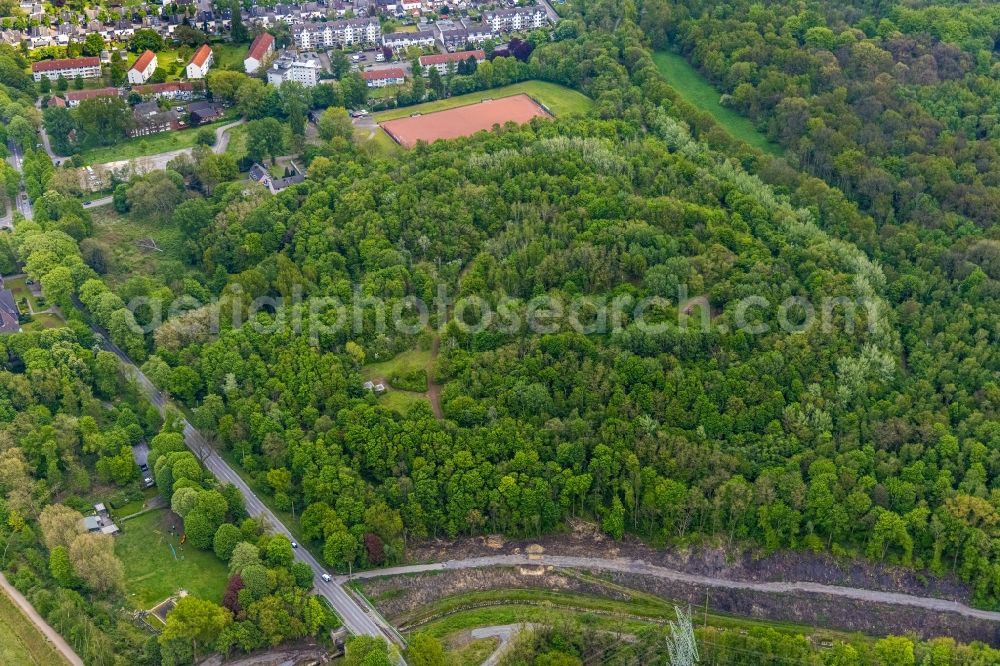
<point x="640" y="567"/>
<point x="505" y="632"/>
<point x="358" y="618"/>
<point x="103" y="201"/>
<point x="16" y="159"/>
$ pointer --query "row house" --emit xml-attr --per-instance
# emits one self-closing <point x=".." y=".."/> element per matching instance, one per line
<point x="445" y="62"/>
<point x="380" y="78"/>
<point x="149" y="119"/>
<point x="344" y="33"/>
<point x="74" y="97"/>
<point x="455" y="37"/>
<point x="405" y="40"/>
<point x="69" y="68"/>
<point x="173" y="90"/>
<point x="518" y="19"/>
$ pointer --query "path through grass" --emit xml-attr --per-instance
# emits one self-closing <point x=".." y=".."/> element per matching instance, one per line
<point x="148" y="145"/>
<point x="20" y="641"/>
<point x="679" y="73"/>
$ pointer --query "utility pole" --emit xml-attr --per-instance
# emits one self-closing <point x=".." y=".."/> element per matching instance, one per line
<point x="682" y="648"/>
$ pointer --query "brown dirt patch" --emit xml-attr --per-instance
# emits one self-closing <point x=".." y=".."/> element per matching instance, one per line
<point x="463" y="120"/>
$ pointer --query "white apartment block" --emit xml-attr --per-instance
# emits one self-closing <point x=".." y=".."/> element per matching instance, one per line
<point x="261" y="49"/>
<point x="68" y="68"/>
<point x="446" y="63"/>
<point x="404" y="40"/>
<point x="303" y="70"/>
<point x="142" y="68"/>
<point x="201" y="62"/>
<point x="518" y="19"/>
<point x="347" y="32"/>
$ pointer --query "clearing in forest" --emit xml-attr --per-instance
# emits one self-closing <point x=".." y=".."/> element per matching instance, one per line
<point x="690" y="85"/>
<point x="158" y="565"/>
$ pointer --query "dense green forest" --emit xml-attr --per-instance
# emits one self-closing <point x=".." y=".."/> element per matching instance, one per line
<point x="876" y="436"/>
<point x="67" y="437"/>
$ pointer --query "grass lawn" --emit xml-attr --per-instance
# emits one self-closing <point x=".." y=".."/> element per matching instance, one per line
<point x="229" y="56"/>
<point x="408" y="361"/>
<point x="120" y="234"/>
<point x="127" y="509"/>
<point x="20" y="641"/>
<point x="380" y="142"/>
<point x="560" y="100"/>
<point x="400" y="401"/>
<point x="152" y="573"/>
<point x="679" y="73"/>
<point x="400" y="395"/>
<point x="471" y="653"/>
<point x="147" y="145"/>
<point x="40" y="322"/>
<point x="21" y="291"/>
<point x="237" y="146"/>
<point x="598" y="612"/>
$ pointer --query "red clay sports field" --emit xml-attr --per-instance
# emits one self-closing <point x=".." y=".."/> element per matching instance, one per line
<point x="463" y="120"/>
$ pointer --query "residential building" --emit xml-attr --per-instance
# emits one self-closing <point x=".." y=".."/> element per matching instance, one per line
<point x="405" y="40"/>
<point x="456" y="37"/>
<point x="10" y="316"/>
<point x="74" y="97"/>
<point x="444" y="62"/>
<point x="343" y="33"/>
<point x="201" y="62"/>
<point x="304" y="69"/>
<point x="183" y="90"/>
<point x="204" y="112"/>
<point x="149" y="119"/>
<point x="68" y="68"/>
<point x="293" y="175"/>
<point x="380" y="78"/>
<point x="518" y="19"/>
<point x="99" y="523"/>
<point x="142" y="68"/>
<point x="260" y="51"/>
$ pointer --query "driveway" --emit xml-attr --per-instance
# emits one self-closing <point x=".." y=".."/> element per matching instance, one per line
<point x="140" y="453"/>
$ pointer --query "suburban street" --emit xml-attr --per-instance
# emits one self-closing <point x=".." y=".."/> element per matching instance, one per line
<point x="16" y="159"/>
<point x="358" y="617"/>
<point x="639" y="567"/>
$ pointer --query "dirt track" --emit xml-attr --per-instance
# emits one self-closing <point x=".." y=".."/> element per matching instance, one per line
<point x="57" y="640"/>
<point x="463" y="120"/>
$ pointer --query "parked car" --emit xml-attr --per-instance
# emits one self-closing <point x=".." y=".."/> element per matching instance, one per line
<point x="147" y="478"/>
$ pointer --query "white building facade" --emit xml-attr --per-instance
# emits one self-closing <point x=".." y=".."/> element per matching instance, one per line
<point x="344" y="33"/>
<point x="305" y="71"/>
